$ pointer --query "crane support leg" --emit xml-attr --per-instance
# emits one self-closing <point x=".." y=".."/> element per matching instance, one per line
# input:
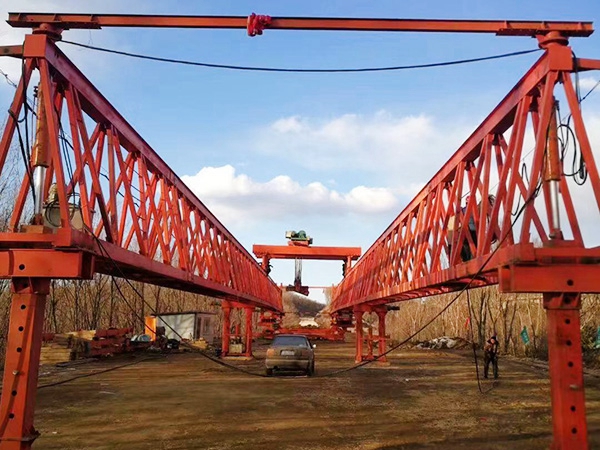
<point x="358" y="314"/>
<point x="381" y="332"/>
<point x="566" y="371"/>
<point x="249" y="313"/>
<point x="22" y="362"/>
<point x="226" y="335"/>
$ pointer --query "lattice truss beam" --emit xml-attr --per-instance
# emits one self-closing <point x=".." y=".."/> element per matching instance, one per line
<point x="462" y="223"/>
<point x="139" y="219"/>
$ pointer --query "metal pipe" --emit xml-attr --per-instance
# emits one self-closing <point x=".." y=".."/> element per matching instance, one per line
<point x="553" y="172"/>
<point x="554" y="207"/>
<point x="39" y="174"/>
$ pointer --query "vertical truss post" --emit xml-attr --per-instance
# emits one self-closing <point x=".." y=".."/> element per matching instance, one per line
<point x="358" y="314"/>
<point x="249" y="313"/>
<point x="22" y="362"/>
<point x="226" y="335"/>
<point x="348" y="263"/>
<point x="566" y="371"/>
<point x="381" y="313"/>
<point x="266" y="262"/>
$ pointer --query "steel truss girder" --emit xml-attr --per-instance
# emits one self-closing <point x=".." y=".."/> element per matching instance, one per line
<point x="418" y="256"/>
<point x="141" y="222"/>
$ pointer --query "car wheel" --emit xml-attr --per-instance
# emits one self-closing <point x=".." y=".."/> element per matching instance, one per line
<point x="269" y="372"/>
<point x="311" y="370"/>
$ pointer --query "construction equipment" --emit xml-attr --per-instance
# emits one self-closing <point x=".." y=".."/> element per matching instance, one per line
<point x="173" y="240"/>
<point x="299" y="248"/>
<point x="299" y="238"/>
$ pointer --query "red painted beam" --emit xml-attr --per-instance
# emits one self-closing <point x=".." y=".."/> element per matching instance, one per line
<point x="101" y="110"/>
<point x="551" y="278"/>
<point x="11" y="50"/>
<point x="448" y="233"/>
<point x="301" y="252"/>
<point x="499" y="27"/>
<point x="142" y="223"/>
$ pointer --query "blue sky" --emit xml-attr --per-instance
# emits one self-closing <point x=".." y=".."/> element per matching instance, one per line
<point x="338" y="155"/>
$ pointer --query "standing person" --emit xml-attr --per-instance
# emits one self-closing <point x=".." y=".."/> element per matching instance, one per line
<point x="491" y="356"/>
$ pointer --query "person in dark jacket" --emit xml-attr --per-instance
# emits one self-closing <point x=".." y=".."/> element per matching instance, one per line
<point x="490" y="355"/>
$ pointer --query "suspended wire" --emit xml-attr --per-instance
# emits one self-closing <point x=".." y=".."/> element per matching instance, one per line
<point x="330" y="374"/>
<point x="65" y="139"/>
<point x="99" y="372"/>
<point x="465" y="288"/>
<point x="299" y="70"/>
<point x="273" y="69"/>
<point x="23" y="143"/>
<point x="590" y="91"/>
<point x="122" y="295"/>
<point x="24" y="154"/>
<point x="475" y="357"/>
<point x="66" y="154"/>
<point x="25" y="106"/>
<point x="579" y="171"/>
<point x="576" y="70"/>
<point x="8" y="80"/>
<point x="136" y="203"/>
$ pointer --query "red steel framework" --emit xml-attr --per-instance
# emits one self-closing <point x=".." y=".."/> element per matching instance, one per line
<point x="255" y="23"/>
<point x="141" y="222"/>
<point x="422" y="252"/>
<point x="167" y="237"/>
<point x="269" y="252"/>
<point x="302" y="250"/>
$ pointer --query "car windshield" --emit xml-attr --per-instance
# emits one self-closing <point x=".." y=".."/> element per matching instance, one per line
<point x="292" y="341"/>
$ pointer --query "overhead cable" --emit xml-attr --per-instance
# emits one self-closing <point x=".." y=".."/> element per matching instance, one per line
<point x="299" y="70"/>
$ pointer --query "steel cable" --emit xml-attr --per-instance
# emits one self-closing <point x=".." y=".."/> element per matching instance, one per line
<point x="336" y="372"/>
<point x="299" y="70"/>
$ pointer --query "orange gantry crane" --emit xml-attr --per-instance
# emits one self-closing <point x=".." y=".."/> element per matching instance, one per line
<point x="168" y="237"/>
<point x="300" y="248"/>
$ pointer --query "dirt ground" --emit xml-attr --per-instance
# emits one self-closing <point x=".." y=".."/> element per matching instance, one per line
<point x="423" y="399"/>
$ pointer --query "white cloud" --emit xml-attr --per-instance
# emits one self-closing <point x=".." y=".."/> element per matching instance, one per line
<point x="381" y="143"/>
<point x="236" y="198"/>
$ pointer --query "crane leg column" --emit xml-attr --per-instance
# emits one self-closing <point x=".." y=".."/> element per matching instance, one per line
<point x="226" y="328"/>
<point x="249" y="312"/>
<point x="22" y="363"/>
<point x="381" y="332"/>
<point x="566" y="371"/>
<point x="359" y="336"/>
